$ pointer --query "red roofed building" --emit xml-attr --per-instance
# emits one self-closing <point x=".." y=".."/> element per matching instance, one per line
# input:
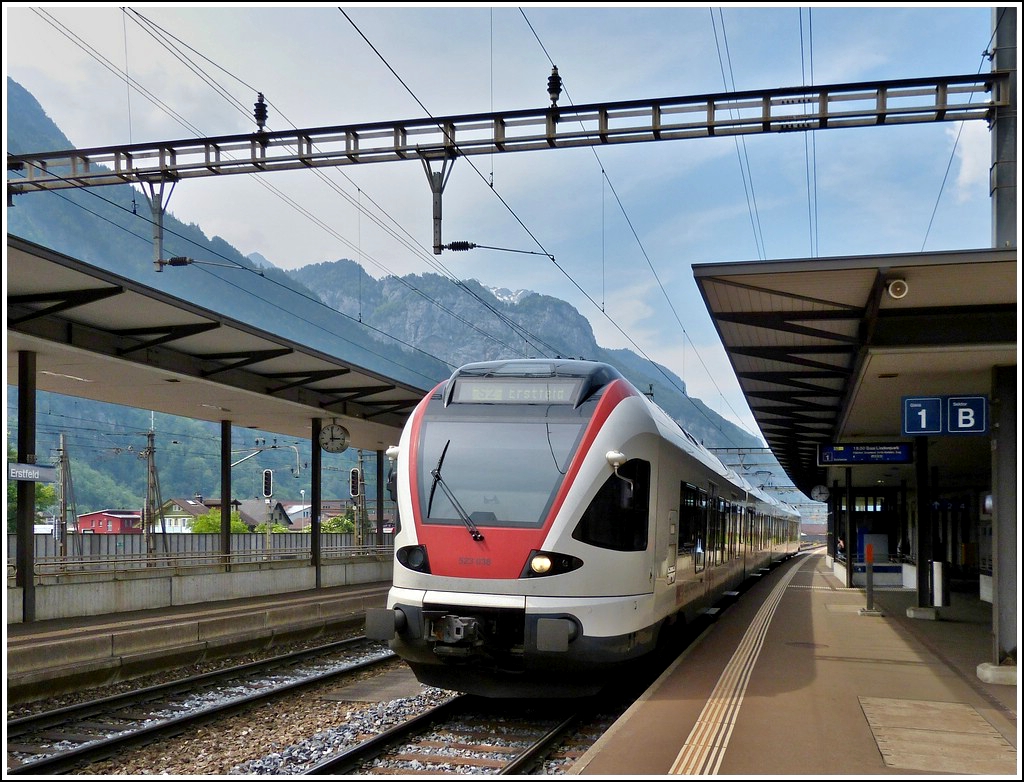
<point x="108" y="521"/>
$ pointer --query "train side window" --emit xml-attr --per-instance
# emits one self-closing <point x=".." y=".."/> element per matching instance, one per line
<point x="617" y="517"/>
<point x="692" y="523"/>
<point x="688" y="516"/>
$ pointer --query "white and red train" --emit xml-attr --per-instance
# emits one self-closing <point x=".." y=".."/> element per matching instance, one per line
<point x="554" y="523"/>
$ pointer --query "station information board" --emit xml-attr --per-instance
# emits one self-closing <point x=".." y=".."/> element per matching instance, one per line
<point x="865" y="453"/>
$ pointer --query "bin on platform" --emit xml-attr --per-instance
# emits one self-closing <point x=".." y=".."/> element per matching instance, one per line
<point x="940" y="584"/>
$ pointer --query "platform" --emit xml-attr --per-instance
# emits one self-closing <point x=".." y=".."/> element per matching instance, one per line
<point x="61" y="655"/>
<point x="801" y="677"/>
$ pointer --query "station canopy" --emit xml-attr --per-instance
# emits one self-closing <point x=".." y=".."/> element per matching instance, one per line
<point x="826" y="349"/>
<point x="101" y="336"/>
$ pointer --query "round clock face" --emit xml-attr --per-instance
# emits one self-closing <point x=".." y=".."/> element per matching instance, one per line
<point x="819" y="493"/>
<point x="334" y="438"/>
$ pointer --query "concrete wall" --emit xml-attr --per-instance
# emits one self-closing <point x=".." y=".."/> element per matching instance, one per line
<point x="83" y="594"/>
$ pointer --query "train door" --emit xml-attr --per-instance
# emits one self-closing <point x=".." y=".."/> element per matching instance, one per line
<point x="713" y="542"/>
<point x="670" y="547"/>
<point x="735" y="531"/>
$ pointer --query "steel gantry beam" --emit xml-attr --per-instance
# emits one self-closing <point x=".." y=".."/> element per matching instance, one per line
<point x="897" y="102"/>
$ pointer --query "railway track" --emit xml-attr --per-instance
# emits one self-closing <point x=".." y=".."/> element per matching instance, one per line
<point x="67" y="738"/>
<point x="470" y="735"/>
<point x="523" y="737"/>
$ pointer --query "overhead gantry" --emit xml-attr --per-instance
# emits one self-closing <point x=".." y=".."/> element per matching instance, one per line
<point x="440" y="140"/>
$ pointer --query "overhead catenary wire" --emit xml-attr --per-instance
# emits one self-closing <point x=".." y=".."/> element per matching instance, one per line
<point x="729" y="81"/>
<point x="530" y="339"/>
<point x="618" y="326"/>
<point x="258" y="297"/>
<point x="952" y="153"/>
<point x="622" y="209"/>
<point x="519" y="220"/>
<point x="151" y="29"/>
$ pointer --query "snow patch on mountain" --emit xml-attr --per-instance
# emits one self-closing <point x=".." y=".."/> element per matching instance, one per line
<point x="505" y="296"/>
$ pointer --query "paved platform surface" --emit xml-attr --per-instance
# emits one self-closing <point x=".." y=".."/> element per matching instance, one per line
<point x="799" y="678"/>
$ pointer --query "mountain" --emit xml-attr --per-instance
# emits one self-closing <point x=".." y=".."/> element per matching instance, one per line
<point x="261" y="262"/>
<point x="464" y="321"/>
<point x="416" y="328"/>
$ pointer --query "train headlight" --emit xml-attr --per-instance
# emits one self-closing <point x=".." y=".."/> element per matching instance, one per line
<point x="414" y="558"/>
<point x="549" y="563"/>
<point x="540" y="564"/>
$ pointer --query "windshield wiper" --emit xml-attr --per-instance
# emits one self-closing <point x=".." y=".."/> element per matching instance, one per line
<point x="439" y="481"/>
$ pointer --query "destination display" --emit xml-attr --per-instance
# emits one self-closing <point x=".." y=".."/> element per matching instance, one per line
<point x="550" y="391"/>
<point x="865" y="453"/>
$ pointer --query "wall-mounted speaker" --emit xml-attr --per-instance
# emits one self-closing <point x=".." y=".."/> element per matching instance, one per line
<point x="898" y="288"/>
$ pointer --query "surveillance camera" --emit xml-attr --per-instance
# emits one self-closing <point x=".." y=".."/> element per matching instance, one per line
<point x="898" y="289"/>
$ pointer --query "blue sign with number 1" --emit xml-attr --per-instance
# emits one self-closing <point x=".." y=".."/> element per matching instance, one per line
<point x="924" y="415"/>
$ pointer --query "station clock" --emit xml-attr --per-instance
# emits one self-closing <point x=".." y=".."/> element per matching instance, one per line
<point x="334" y="438"/>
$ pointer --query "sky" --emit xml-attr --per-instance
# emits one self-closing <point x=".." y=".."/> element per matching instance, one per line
<point x="612" y="230"/>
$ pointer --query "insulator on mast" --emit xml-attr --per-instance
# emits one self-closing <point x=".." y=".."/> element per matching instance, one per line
<point x="260" y="112"/>
<point x="554" y="86"/>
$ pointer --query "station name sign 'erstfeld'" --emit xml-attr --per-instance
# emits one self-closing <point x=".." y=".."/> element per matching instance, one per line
<point x="31" y="472"/>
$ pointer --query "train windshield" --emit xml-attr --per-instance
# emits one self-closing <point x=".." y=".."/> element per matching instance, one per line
<point x="501" y="474"/>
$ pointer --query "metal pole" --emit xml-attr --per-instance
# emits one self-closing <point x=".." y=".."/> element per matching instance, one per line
<point x="315" y="495"/>
<point x="24" y="576"/>
<point x="869" y="569"/>
<point x="225" y="493"/>
<point x="61" y="527"/>
<point x="848" y="528"/>
<point x="924" y="521"/>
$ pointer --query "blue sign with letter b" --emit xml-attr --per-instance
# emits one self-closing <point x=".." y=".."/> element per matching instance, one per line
<point x="966" y="415"/>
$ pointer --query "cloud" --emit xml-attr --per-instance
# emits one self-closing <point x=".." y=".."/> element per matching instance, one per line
<point x="974" y="153"/>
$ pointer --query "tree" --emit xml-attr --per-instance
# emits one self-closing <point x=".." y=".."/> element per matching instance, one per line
<point x="210" y="522"/>
<point x="337" y="524"/>
<point x="262" y="528"/>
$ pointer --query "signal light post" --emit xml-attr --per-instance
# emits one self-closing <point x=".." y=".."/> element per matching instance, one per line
<point x="268" y="492"/>
<point x="357" y="491"/>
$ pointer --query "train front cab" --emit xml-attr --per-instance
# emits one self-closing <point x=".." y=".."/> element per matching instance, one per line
<point x="699" y="545"/>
